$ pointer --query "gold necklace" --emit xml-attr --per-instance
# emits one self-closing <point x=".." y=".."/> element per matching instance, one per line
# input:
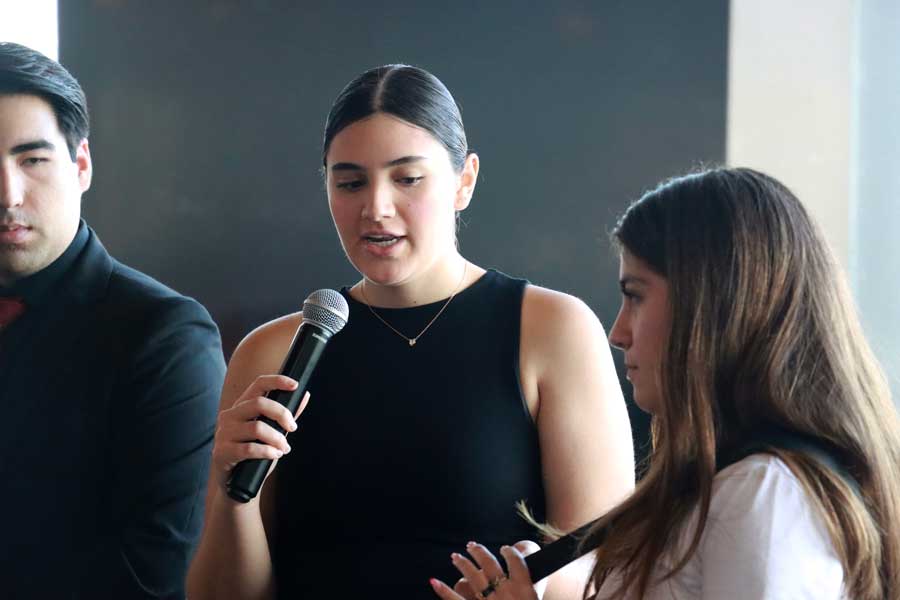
<point x="412" y="340"/>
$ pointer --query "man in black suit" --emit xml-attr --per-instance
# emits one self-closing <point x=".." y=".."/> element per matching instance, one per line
<point x="109" y="381"/>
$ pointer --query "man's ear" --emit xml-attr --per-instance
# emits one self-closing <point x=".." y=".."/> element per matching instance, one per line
<point x="83" y="163"/>
<point x="467" y="180"/>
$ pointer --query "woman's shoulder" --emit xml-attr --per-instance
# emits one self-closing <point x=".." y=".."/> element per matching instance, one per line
<point x="551" y="313"/>
<point x="557" y="309"/>
<point x="759" y="463"/>
<point x="263" y="350"/>
<point x="757" y="475"/>
<point x="766" y="534"/>
<point x="560" y="324"/>
<point x="564" y="348"/>
<point x="761" y="496"/>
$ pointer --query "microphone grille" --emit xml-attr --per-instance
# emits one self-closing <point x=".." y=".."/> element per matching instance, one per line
<point x="326" y="308"/>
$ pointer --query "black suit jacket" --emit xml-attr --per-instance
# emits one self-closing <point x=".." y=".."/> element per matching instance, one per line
<point x="109" y="390"/>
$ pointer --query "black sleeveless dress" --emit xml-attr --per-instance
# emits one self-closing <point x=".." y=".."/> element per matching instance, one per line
<point x="406" y="453"/>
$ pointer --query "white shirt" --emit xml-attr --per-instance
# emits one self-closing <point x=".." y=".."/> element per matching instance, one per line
<point x="763" y="540"/>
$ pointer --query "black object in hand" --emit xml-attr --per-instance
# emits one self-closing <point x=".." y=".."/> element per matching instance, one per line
<point x="325" y="312"/>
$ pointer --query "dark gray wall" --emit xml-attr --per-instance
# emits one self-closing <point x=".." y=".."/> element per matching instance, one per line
<point x="208" y="116"/>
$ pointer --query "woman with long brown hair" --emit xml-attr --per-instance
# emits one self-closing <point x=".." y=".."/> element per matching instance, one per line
<point x="775" y="470"/>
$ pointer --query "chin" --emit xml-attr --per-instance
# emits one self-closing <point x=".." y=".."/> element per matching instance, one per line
<point x="648" y="405"/>
<point x="386" y="275"/>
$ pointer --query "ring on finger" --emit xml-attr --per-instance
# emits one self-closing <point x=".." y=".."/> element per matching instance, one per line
<point x="492" y="586"/>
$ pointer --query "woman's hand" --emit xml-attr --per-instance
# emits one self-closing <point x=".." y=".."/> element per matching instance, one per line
<point x="239" y="433"/>
<point x="487" y="580"/>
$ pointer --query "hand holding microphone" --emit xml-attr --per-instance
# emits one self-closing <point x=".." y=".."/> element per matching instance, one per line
<point x="528" y="567"/>
<point x="260" y="421"/>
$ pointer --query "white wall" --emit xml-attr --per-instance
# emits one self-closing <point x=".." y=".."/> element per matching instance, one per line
<point x="31" y="23"/>
<point x="814" y="100"/>
<point x="875" y="181"/>
<point x="789" y="101"/>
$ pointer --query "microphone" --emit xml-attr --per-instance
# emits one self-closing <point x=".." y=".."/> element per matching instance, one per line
<point x="559" y="553"/>
<point x="325" y="313"/>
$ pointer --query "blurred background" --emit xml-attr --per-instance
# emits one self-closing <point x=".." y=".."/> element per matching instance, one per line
<point x="207" y="120"/>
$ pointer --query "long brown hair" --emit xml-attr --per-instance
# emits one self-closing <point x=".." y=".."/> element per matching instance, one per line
<point x="763" y="333"/>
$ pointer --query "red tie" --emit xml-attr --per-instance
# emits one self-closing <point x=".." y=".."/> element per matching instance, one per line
<point x="10" y="310"/>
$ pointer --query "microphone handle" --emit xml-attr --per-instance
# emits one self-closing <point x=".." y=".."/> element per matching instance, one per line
<point x="558" y="553"/>
<point x="247" y="476"/>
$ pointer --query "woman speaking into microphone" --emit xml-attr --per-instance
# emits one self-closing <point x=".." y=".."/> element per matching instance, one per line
<point x="452" y="392"/>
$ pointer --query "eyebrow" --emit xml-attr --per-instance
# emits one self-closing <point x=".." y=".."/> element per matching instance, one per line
<point x="29" y="146"/>
<point x="631" y="279"/>
<point x="348" y="166"/>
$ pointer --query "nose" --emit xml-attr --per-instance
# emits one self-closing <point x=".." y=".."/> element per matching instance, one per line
<point x="11" y="194"/>
<point x="379" y="204"/>
<point x="620" y="334"/>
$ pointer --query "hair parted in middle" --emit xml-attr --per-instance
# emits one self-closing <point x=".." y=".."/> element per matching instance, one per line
<point x="408" y="93"/>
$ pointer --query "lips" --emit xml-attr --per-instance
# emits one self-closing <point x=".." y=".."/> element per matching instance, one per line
<point x="381" y="233"/>
<point x="11" y="233"/>
<point x="380" y="242"/>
